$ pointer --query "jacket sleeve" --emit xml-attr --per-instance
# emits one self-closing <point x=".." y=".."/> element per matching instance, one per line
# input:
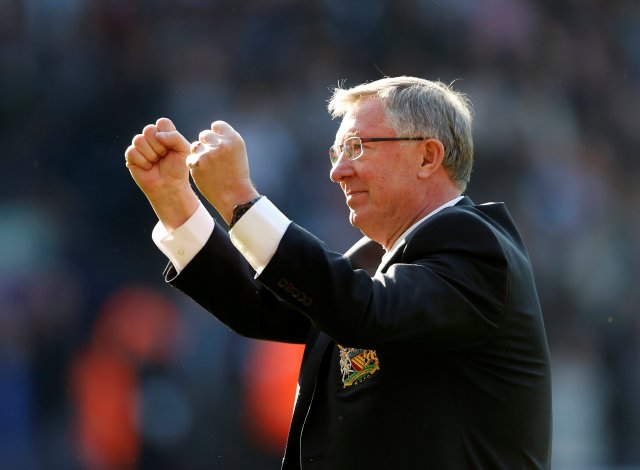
<point x="220" y="280"/>
<point x="447" y="289"/>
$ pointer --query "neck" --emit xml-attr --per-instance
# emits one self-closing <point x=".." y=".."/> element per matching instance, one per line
<point x="428" y="206"/>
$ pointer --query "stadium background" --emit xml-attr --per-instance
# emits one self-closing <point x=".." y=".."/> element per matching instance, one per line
<point x="103" y="366"/>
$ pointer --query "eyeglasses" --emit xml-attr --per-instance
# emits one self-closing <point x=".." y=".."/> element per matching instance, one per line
<point x="353" y="149"/>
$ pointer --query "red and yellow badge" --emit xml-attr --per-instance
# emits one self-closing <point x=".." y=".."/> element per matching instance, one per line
<point x="357" y="365"/>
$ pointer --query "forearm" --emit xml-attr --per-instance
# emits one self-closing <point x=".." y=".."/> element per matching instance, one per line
<point x="222" y="282"/>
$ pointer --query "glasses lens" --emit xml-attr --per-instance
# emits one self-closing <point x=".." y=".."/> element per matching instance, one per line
<point x="353" y="148"/>
<point x="334" y="154"/>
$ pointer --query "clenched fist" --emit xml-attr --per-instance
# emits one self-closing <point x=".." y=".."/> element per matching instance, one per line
<point x="220" y="168"/>
<point x="156" y="161"/>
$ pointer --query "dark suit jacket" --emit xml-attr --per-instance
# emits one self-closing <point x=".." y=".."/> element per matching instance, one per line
<point x="445" y="362"/>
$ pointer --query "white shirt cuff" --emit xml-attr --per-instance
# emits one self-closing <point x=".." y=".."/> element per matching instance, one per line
<point x="184" y="243"/>
<point x="258" y="233"/>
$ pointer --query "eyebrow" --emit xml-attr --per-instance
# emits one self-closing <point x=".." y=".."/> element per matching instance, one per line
<point x="348" y="135"/>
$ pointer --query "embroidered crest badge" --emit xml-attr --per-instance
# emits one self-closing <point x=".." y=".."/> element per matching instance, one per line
<point x="357" y="365"/>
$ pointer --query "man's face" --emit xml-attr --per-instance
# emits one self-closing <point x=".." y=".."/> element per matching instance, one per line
<point x="380" y="185"/>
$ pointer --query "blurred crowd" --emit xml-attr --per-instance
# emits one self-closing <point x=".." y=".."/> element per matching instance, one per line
<point x="103" y="366"/>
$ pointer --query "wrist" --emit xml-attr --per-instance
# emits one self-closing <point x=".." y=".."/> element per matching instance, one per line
<point x="241" y="209"/>
<point x="236" y="199"/>
<point x="174" y="208"/>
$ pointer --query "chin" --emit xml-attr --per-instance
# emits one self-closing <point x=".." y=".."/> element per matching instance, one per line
<point x="355" y="219"/>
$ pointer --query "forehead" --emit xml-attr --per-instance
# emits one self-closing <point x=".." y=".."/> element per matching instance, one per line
<point x="365" y="119"/>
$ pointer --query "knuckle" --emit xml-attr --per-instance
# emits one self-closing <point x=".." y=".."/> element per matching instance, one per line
<point x="149" y="130"/>
<point x="205" y="135"/>
<point x="138" y="139"/>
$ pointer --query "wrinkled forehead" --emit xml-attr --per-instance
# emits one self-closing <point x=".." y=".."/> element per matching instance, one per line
<point x="367" y="118"/>
<point x="347" y="128"/>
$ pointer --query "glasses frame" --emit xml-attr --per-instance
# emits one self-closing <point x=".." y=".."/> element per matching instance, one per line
<point x="335" y="151"/>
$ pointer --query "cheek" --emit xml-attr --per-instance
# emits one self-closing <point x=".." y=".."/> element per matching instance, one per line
<point x="387" y="181"/>
<point x="387" y="186"/>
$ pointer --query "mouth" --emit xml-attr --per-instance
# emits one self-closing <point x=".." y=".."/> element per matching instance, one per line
<point x="350" y="195"/>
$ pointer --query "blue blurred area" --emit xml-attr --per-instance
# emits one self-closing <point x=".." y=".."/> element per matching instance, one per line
<point x="556" y="91"/>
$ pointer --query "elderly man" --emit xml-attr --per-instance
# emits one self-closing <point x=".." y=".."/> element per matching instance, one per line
<point x="436" y="357"/>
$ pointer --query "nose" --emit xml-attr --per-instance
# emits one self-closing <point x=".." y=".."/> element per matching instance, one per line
<point x="342" y="169"/>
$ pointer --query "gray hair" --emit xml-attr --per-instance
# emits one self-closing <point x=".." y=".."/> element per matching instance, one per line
<point x="416" y="107"/>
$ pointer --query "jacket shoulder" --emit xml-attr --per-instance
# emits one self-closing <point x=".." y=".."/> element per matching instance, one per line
<point x="470" y="224"/>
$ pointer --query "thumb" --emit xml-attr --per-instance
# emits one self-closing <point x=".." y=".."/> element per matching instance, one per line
<point x="170" y="137"/>
<point x="222" y="128"/>
<point x="227" y="133"/>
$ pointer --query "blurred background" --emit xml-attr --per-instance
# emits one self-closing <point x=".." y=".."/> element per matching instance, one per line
<point x="103" y="366"/>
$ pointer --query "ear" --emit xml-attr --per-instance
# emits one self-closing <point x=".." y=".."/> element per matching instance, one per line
<point x="432" y="157"/>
